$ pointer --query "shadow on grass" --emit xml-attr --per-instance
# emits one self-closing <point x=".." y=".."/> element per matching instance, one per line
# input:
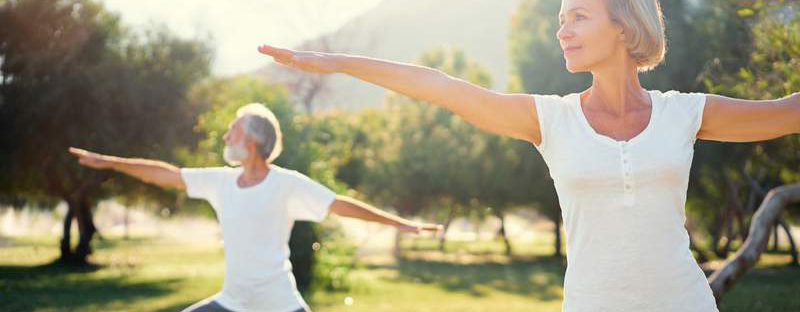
<point x="541" y="277"/>
<point x="765" y="289"/>
<point x="67" y="288"/>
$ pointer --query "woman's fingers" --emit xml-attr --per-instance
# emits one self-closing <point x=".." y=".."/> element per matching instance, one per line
<point x="313" y="62"/>
<point x="282" y="56"/>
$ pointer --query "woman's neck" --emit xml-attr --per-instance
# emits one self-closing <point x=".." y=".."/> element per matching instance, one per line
<point x="615" y="89"/>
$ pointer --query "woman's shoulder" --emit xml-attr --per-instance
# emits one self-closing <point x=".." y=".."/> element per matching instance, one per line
<point x="555" y="99"/>
<point x="674" y="97"/>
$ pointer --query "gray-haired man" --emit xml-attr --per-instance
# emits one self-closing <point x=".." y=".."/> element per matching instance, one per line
<point x="256" y="204"/>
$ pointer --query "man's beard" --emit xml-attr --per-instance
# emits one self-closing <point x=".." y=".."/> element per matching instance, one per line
<point x="234" y="154"/>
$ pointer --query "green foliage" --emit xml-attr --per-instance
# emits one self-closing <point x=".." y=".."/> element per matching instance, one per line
<point x="72" y="76"/>
<point x="421" y="156"/>
<point x="537" y="62"/>
<point x="771" y="70"/>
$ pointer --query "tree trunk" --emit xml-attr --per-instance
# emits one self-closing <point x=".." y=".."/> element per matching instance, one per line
<point x="792" y="247"/>
<point x="701" y="255"/>
<point x="502" y="232"/>
<point x="86" y="230"/>
<point x="718" y="229"/>
<point x="398" y="238"/>
<point x="447" y="223"/>
<point x="557" y="232"/>
<point x="126" y="221"/>
<point x="723" y="279"/>
<point x="66" y="248"/>
<point x="775" y="236"/>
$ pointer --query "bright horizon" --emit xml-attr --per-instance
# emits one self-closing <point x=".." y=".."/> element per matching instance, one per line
<point x="237" y="27"/>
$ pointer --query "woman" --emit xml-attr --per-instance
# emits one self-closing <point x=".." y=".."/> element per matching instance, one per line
<point x="619" y="155"/>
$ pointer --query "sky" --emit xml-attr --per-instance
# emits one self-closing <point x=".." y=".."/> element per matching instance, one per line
<point x="237" y="27"/>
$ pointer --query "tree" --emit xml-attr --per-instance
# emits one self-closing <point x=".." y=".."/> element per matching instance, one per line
<point x="771" y="71"/>
<point x="71" y="75"/>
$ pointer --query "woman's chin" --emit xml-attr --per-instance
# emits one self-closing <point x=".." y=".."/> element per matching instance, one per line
<point x="575" y="68"/>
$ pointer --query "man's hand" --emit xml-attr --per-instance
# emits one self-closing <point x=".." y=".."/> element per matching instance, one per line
<point x="89" y="159"/>
<point x="150" y="171"/>
<point x="417" y="228"/>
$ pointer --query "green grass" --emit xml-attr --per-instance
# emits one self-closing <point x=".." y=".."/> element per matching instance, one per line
<point x="145" y="274"/>
<point x="134" y="275"/>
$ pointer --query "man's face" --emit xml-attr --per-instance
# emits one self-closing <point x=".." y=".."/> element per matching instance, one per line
<point x="235" y="143"/>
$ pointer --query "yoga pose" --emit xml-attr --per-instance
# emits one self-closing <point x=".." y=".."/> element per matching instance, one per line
<point x="619" y="154"/>
<point x="256" y="205"/>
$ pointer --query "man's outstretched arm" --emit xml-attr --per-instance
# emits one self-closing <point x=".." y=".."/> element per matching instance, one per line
<point x="151" y="171"/>
<point x="352" y="208"/>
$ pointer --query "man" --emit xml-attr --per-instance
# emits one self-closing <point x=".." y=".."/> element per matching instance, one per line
<point x="256" y="205"/>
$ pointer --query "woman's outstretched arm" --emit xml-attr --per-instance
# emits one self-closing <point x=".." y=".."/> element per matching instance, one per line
<point x="511" y="115"/>
<point x="734" y="120"/>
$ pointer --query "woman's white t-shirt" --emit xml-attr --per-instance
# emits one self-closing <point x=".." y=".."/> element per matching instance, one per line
<point x="623" y="206"/>
<point x="256" y="222"/>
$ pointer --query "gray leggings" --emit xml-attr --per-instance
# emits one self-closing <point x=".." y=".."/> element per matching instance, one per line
<point x="212" y="306"/>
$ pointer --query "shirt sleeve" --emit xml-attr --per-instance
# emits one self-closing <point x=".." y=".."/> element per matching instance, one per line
<point x="546" y="111"/>
<point x="697" y="102"/>
<point x="691" y="106"/>
<point x="202" y="183"/>
<point x="307" y="199"/>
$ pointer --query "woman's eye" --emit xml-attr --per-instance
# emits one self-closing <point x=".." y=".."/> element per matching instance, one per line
<point x="579" y="17"/>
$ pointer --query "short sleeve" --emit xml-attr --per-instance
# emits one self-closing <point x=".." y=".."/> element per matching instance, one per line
<point x="697" y="103"/>
<point x="547" y="107"/>
<point x="308" y="200"/>
<point x="691" y="107"/>
<point x="202" y="183"/>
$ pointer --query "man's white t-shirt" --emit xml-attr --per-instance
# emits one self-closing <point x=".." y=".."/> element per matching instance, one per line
<point x="256" y="223"/>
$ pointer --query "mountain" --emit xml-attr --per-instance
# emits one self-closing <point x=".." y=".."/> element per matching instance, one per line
<point x="401" y="30"/>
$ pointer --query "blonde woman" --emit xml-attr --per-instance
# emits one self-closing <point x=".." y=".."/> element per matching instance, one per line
<point x="619" y="154"/>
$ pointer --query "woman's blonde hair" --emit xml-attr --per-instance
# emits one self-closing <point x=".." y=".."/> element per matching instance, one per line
<point x="643" y="24"/>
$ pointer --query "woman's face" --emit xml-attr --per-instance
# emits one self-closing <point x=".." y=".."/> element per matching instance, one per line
<point x="587" y="35"/>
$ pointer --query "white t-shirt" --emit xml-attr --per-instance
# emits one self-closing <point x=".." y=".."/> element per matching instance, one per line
<point x="256" y="223"/>
<point x="623" y="207"/>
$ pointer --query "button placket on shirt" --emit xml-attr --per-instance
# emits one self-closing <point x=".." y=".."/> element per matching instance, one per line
<point x="627" y="175"/>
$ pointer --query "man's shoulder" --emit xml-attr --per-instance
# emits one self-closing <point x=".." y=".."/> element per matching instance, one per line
<point x="210" y="170"/>
<point x="283" y="172"/>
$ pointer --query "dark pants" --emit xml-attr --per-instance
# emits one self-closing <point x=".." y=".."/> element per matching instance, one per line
<point x="213" y="306"/>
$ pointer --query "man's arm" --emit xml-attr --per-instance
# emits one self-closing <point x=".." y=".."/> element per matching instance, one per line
<point x="151" y="171"/>
<point x="351" y="208"/>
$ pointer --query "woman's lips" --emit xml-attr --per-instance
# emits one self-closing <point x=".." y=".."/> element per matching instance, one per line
<point x="571" y="49"/>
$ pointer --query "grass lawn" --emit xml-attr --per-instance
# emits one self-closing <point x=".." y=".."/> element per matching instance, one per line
<point x="145" y="274"/>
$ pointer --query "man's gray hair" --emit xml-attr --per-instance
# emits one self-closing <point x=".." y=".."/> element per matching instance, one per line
<point x="262" y="127"/>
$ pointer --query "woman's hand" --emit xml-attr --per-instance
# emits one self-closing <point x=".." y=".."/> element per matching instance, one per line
<point x="314" y="62"/>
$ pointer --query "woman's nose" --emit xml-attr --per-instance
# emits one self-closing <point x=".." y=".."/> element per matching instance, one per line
<point x="564" y="33"/>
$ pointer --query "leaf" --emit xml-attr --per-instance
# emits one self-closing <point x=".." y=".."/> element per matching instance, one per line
<point x="745" y="12"/>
